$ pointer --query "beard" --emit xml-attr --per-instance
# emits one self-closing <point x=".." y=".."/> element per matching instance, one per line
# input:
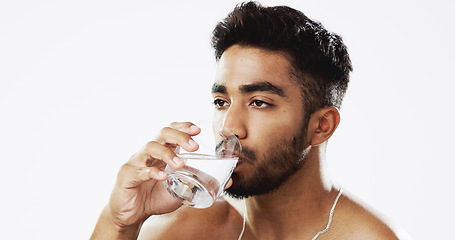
<point x="274" y="167"/>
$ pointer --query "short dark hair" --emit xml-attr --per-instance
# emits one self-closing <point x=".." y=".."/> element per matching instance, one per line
<point x="319" y="58"/>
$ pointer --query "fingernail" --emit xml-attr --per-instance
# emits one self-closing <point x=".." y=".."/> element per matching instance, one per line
<point x="192" y="143"/>
<point x="162" y="174"/>
<point x="194" y="127"/>
<point x="177" y="160"/>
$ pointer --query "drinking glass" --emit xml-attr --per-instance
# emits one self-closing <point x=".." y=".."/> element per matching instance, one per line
<point x="206" y="171"/>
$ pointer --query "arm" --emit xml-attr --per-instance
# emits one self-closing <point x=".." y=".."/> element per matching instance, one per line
<point x="106" y="228"/>
<point x="138" y="192"/>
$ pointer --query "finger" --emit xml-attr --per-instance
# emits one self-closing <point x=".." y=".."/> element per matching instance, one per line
<point x="131" y="176"/>
<point x="148" y="173"/>
<point x="174" y="137"/>
<point x="156" y="155"/>
<point x="186" y="127"/>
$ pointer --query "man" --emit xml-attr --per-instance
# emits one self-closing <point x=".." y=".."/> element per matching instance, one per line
<point x="280" y="81"/>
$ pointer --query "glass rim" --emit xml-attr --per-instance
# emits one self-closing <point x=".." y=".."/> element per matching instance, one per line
<point x="201" y="156"/>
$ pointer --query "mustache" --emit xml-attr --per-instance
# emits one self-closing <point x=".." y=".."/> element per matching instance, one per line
<point x="248" y="155"/>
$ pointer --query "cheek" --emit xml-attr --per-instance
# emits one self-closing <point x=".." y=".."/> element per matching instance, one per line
<point x="272" y="130"/>
<point x="286" y="123"/>
<point x="217" y="119"/>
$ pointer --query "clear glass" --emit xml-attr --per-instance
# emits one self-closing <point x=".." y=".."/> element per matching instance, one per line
<point x="206" y="171"/>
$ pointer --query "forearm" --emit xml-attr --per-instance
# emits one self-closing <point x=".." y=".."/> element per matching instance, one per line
<point x="106" y="229"/>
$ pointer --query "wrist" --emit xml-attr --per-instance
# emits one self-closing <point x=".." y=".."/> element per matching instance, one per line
<point x="127" y="232"/>
<point x="108" y="228"/>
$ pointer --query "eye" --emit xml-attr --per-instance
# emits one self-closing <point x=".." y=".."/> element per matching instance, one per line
<point x="260" y="104"/>
<point x="219" y="103"/>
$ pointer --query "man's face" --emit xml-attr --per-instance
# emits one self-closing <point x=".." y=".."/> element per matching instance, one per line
<point x="257" y="100"/>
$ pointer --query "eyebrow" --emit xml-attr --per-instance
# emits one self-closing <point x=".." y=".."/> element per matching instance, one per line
<point x="253" y="87"/>
<point x="218" y="88"/>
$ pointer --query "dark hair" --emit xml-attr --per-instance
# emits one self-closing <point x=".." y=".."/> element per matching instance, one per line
<point x="319" y="58"/>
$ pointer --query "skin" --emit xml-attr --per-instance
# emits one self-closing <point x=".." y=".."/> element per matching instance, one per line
<point x="298" y="209"/>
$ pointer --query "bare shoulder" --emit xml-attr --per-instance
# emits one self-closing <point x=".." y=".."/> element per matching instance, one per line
<point x="356" y="220"/>
<point x="221" y="219"/>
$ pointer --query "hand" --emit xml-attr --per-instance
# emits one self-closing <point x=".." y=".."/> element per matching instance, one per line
<point x="138" y="192"/>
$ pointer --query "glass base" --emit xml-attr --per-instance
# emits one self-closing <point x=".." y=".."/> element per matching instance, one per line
<point x="198" y="191"/>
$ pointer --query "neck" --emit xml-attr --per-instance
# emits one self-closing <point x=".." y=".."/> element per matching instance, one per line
<point x="300" y="206"/>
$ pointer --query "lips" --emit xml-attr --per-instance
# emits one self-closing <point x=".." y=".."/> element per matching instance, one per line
<point x="241" y="160"/>
<point x="245" y="155"/>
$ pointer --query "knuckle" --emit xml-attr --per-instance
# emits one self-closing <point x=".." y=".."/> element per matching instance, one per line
<point x="123" y="170"/>
<point x="158" y="151"/>
<point x="162" y="152"/>
<point x="164" y="131"/>
<point x="165" y="135"/>
<point x="172" y="136"/>
<point x="165" y="153"/>
<point x="174" y="124"/>
<point x="151" y="144"/>
<point x="182" y="137"/>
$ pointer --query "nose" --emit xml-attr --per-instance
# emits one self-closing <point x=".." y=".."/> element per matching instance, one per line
<point x="234" y="123"/>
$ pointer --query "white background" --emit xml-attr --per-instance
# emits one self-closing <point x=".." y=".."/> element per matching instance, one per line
<point x="84" y="84"/>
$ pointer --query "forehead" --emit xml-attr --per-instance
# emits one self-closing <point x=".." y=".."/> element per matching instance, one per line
<point x="240" y="66"/>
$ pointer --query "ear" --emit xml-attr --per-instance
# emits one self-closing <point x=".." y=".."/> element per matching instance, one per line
<point x="322" y="124"/>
